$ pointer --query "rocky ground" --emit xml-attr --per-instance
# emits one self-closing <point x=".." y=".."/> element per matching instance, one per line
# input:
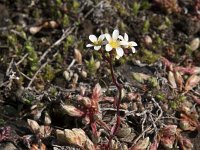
<point x="57" y="94"/>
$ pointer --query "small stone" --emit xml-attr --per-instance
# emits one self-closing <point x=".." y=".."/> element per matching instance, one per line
<point x="194" y="44"/>
<point x="148" y="40"/>
<point x="84" y="74"/>
<point x="66" y="75"/>
<point x="97" y="64"/>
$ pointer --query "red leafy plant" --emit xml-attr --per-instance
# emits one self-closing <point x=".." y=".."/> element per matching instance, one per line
<point x="168" y="136"/>
<point x="170" y="6"/>
<point x="89" y="110"/>
<point x="5" y="133"/>
<point x="175" y="76"/>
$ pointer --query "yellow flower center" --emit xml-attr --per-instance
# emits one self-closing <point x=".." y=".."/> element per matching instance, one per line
<point x="114" y="43"/>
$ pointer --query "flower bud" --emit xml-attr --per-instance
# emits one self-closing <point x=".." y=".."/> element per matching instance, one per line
<point x="78" y="56"/>
<point x="171" y="80"/>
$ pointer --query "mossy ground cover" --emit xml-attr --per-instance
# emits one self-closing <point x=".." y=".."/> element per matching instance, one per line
<point x="47" y="74"/>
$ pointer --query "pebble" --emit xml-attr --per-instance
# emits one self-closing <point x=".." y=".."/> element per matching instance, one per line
<point x="148" y="40"/>
<point x="194" y="44"/>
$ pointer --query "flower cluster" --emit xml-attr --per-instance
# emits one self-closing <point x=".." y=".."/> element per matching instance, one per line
<point x="114" y="42"/>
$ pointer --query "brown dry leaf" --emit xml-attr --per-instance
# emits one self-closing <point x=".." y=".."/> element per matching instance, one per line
<point x="89" y="145"/>
<point x="179" y="80"/>
<point x="61" y="137"/>
<point x="168" y="142"/>
<point x="186" y="126"/>
<point x="185" y="143"/>
<point x="45" y="131"/>
<point x="35" y="127"/>
<point x="141" y="144"/>
<point x="196" y="70"/>
<point x="154" y="145"/>
<point x="86" y="101"/>
<point x="169" y="130"/>
<point x="168" y="135"/>
<point x="38" y="147"/>
<point x="187" y="123"/>
<point x="78" y="56"/>
<point x="192" y="82"/>
<point x="72" y="111"/>
<point x="196" y="99"/>
<point x="170" y="6"/>
<point x="75" y="137"/>
<point x="171" y="80"/>
<point x="133" y="96"/>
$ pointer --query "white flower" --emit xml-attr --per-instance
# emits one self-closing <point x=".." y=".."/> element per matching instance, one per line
<point x="114" y="43"/>
<point x="126" y="43"/>
<point x="96" y="43"/>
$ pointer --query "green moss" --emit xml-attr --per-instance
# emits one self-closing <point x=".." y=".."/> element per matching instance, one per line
<point x="123" y="60"/>
<point x="166" y="24"/>
<point x="153" y="82"/>
<point x="145" y="5"/>
<point x="53" y="91"/>
<point x="135" y="8"/>
<point x="159" y="42"/>
<point x="12" y="41"/>
<point x="76" y="5"/>
<point x="149" y="57"/>
<point x="146" y="26"/>
<point x="65" y="21"/>
<point x="173" y="105"/>
<point x="122" y="26"/>
<point x="32" y="57"/>
<point x="160" y="96"/>
<point x="91" y="66"/>
<point x="28" y="98"/>
<point x="137" y="76"/>
<point x="2" y="122"/>
<point x="49" y="73"/>
<point x="59" y="58"/>
<point x="69" y="41"/>
<point x="121" y="9"/>
<point x="59" y="2"/>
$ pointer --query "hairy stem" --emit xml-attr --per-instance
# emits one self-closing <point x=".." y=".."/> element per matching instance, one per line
<point x="118" y="100"/>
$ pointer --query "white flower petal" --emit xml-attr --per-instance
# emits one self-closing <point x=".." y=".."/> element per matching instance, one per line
<point x="119" y="51"/>
<point x="93" y="38"/>
<point x="126" y="37"/>
<point x="124" y="43"/>
<point x="101" y="37"/>
<point x="133" y="43"/>
<point x="117" y="56"/>
<point x="89" y="45"/>
<point x="121" y="37"/>
<point x="108" y="37"/>
<point x="115" y="34"/>
<point x="97" y="48"/>
<point x="133" y="49"/>
<point x="108" y="47"/>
